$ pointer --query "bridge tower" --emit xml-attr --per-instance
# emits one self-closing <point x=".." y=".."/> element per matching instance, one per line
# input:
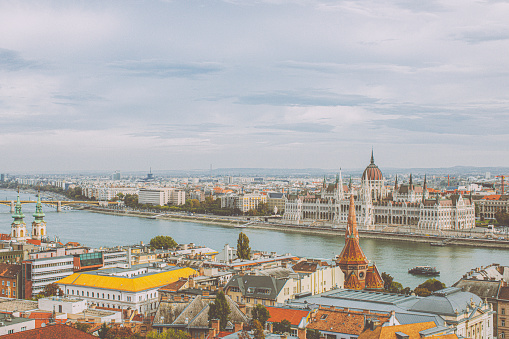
<point x="39" y="225"/>
<point x="18" y="226"/>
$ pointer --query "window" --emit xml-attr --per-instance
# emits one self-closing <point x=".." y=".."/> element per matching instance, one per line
<point x="13" y="284"/>
<point x="87" y="294"/>
<point x="324" y="316"/>
<point x="24" y="328"/>
<point x="503" y="311"/>
<point x="13" y="293"/>
<point x="251" y="290"/>
<point x="92" y="294"/>
<point x="119" y="297"/>
<point x="8" y="283"/>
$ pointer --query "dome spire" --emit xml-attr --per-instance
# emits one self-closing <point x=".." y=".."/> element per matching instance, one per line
<point x="372" y="157"/>
<point x="39" y="214"/>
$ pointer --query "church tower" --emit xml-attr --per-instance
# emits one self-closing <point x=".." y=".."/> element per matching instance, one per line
<point x="359" y="274"/>
<point x="18" y="226"/>
<point x="39" y="225"/>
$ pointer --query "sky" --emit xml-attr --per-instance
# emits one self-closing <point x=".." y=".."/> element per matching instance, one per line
<point x="128" y="85"/>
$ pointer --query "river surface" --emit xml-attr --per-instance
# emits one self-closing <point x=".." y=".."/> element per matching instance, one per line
<point x="393" y="257"/>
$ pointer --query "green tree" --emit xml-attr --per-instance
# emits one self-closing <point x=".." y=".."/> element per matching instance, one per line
<point x="282" y="327"/>
<point x="219" y="309"/>
<point x="84" y="327"/>
<point x="387" y="278"/>
<point x="243" y="249"/>
<point x="52" y="290"/>
<point x="428" y="287"/>
<point x="258" y="330"/>
<point x="162" y="241"/>
<point x="260" y="313"/>
<point x="502" y="218"/>
<point x="103" y="331"/>
<point x="168" y="334"/>
<point x="312" y="334"/>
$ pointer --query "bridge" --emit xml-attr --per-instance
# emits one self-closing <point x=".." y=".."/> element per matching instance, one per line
<point x="59" y="203"/>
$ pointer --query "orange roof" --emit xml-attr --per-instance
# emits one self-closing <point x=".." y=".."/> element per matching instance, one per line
<point x="373" y="279"/>
<point x="492" y="197"/>
<point x="33" y="242"/>
<point x="353" y="283"/>
<point x="389" y="332"/>
<point x="341" y="321"/>
<point x="44" y="318"/>
<point x="4" y="236"/>
<point x="278" y="314"/>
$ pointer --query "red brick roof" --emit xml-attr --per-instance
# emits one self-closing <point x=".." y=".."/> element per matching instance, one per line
<point x="33" y="242"/>
<point x="278" y="314"/>
<point x="44" y="318"/>
<point x="51" y="331"/>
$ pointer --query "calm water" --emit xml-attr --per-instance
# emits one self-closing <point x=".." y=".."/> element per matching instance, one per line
<point x="98" y="230"/>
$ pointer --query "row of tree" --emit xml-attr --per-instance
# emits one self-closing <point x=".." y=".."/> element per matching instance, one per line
<point x="425" y="289"/>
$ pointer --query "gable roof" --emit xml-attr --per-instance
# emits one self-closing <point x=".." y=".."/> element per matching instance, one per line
<point x="278" y="314"/>
<point x="260" y="287"/>
<point x="57" y="331"/>
<point x="342" y="321"/>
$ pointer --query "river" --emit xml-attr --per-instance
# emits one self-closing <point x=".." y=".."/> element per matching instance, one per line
<point x="393" y="257"/>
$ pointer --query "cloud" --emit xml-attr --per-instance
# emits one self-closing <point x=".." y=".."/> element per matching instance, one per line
<point x="484" y="34"/>
<point x="300" y="127"/>
<point x="12" y="61"/>
<point x="165" y="69"/>
<point x="304" y="98"/>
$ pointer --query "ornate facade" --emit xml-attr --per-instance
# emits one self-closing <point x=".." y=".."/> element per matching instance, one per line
<point x="359" y="274"/>
<point x="19" y="228"/>
<point x="407" y="205"/>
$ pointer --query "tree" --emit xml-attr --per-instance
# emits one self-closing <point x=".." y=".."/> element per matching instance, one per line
<point x="428" y="287"/>
<point x="52" y="290"/>
<point x="162" y="241"/>
<point x="312" y="334"/>
<point x="219" y="309"/>
<point x="258" y="330"/>
<point x="502" y="218"/>
<point x="387" y="278"/>
<point x="261" y="314"/>
<point x="84" y="327"/>
<point x="168" y="334"/>
<point x="119" y="332"/>
<point x="103" y="331"/>
<point x="282" y="327"/>
<point x="243" y="249"/>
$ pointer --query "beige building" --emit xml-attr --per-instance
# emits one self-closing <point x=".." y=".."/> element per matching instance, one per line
<point x="243" y="202"/>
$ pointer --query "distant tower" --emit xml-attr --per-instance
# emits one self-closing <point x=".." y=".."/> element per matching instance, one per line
<point x="39" y="225"/>
<point x="18" y="226"/>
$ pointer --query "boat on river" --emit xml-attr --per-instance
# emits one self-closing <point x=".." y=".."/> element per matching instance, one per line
<point x="424" y="270"/>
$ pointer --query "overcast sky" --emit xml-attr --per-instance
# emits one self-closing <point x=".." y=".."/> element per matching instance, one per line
<point x="128" y="85"/>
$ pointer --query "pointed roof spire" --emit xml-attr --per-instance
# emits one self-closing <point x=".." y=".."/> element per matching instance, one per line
<point x="324" y="182"/>
<point x="350" y="184"/>
<point x="396" y="182"/>
<point x="410" y="183"/>
<point x="18" y="214"/>
<point x="372" y="157"/>
<point x="39" y="214"/>
<point x="337" y="178"/>
<point x="352" y="220"/>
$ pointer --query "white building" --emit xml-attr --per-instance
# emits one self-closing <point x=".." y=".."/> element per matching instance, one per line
<point x="44" y="271"/>
<point x="161" y="196"/>
<point x="134" y="288"/>
<point x="243" y="202"/>
<point x="10" y="324"/>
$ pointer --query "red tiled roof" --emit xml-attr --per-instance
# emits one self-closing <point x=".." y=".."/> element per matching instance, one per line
<point x="174" y="286"/>
<point x="51" y="331"/>
<point x="44" y="318"/>
<point x="4" y="236"/>
<point x="278" y="314"/>
<point x="33" y="242"/>
<point x="389" y="332"/>
<point x="341" y="321"/>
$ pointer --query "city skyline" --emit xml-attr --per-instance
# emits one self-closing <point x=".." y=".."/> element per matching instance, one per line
<point x="243" y="84"/>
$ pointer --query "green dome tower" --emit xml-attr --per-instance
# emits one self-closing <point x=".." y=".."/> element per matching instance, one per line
<point x="18" y="226"/>
<point x="39" y="225"/>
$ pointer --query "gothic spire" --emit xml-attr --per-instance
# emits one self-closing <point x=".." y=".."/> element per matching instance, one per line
<point x="410" y="183"/>
<point x="372" y="158"/>
<point x="18" y="214"/>
<point x="396" y="183"/>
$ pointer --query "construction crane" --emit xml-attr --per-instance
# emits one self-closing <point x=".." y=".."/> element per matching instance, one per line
<point x="502" y="181"/>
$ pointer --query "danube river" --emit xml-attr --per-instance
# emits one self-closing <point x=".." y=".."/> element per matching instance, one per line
<point x="394" y="257"/>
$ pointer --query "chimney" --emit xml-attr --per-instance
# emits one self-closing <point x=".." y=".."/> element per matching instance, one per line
<point x="301" y="333"/>
<point x="238" y="327"/>
<point x="212" y="333"/>
<point x="216" y="325"/>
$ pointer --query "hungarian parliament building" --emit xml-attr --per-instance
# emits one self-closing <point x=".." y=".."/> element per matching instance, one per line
<point x="376" y="204"/>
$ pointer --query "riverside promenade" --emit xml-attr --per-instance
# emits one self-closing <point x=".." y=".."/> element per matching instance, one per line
<point x="474" y="238"/>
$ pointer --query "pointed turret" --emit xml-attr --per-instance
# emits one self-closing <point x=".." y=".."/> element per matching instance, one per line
<point x="410" y="185"/>
<point x="424" y="189"/>
<point x="372" y="157"/>
<point x="324" y="182"/>
<point x="396" y="183"/>
<point x="18" y="226"/>
<point x="39" y="225"/>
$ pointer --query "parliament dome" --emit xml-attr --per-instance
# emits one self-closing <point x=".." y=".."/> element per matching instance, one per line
<point x="372" y="172"/>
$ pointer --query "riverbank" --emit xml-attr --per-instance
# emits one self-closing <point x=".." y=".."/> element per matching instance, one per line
<point x="440" y="240"/>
